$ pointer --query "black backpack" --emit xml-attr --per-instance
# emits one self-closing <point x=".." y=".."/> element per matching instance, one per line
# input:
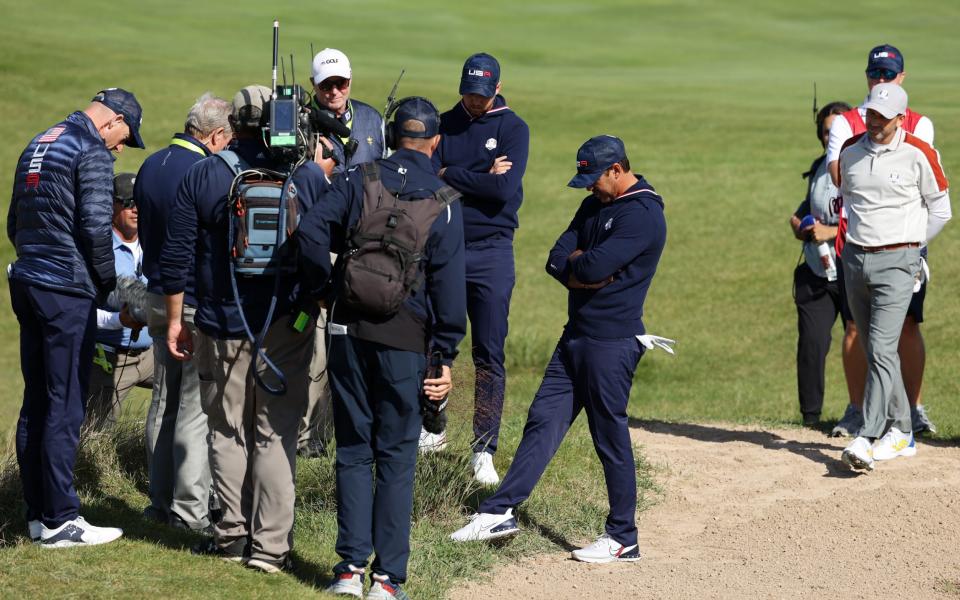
<point x="381" y="264"/>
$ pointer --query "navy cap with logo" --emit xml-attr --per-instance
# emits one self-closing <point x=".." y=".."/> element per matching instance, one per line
<point x="885" y="57"/>
<point x="595" y="156"/>
<point x="123" y="188"/>
<point x="417" y="108"/>
<point x="481" y="74"/>
<point x="124" y="103"/>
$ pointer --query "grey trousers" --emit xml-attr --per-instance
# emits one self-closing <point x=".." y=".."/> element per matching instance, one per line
<point x="879" y="286"/>
<point x="109" y="390"/>
<point x="253" y="435"/>
<point x="176" y="431"/>
<point x="317" y="423"/>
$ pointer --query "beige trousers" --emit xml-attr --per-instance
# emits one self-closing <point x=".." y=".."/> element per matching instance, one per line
<point x="253" y="435"/>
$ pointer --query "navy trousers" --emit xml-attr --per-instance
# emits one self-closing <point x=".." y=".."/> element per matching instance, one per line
<point x="490" y="280"/>
<point x="57" y="333"/>
<point x="376" y="415"/>
<point x="594" y="375"/>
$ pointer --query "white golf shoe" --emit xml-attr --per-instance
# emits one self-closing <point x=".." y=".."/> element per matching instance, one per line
<point x="487" y="526"/>
<point x="77" y="533"/>
<point x="606" y="550"/>
<point x="858" y="455"/>
<point x="893" y="444"/>
<point x="483" y="469"/>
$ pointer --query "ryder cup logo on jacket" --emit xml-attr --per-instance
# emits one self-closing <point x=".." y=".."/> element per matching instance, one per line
<point x="491" y="144"/>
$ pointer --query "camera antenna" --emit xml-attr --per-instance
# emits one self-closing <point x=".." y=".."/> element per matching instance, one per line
<point x="276" y="45"/>
<point x="293" y="71"/>
<point x="283" y="71"/>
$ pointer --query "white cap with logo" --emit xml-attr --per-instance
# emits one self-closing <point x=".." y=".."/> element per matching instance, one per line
<point x="330" y="62"/>
<point x="888" y="99"/>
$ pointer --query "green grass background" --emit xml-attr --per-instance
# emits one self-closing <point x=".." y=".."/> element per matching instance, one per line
<point x="713" y="100"/>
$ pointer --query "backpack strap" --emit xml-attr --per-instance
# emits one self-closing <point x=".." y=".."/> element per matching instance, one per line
<point x="371" y="172"/>
<point x="447" y="195"/>
<point x="233" y="161"/>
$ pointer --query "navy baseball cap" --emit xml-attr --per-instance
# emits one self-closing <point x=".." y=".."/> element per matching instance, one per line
<point x="124" y="103"/>
<point x="123" y="188"/>
<point x="417" y="108"/>
<point x="481" y="74"/>
<point x="885" y="57"/>
<point x="595" y="156"/>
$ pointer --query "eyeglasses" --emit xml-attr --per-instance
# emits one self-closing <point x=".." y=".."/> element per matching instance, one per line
<point x="333" y="82"/>
<point x="887" y="74"/>
<point x="125" y="202"/>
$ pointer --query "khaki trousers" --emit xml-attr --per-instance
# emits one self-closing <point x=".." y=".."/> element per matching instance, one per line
<point x="109" y="390"/>
<point x="253" y="435"/>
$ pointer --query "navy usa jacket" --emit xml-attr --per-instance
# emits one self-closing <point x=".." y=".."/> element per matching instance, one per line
<point x="61" y="211"/>
<point x="197" y="234"/>
<point x="441" y="301"/>
<point x="155" y="192"/>
<point x="623" y="240"/>
<point x="467" y="150"/>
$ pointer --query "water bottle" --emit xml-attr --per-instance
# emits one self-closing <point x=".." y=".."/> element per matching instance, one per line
<point x="823" y="250"/>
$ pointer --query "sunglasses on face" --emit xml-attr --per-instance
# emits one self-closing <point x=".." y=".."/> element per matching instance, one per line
<point x="334" y="82"/>
<point x="887" y="74"/>
<point x="125" y="203"/>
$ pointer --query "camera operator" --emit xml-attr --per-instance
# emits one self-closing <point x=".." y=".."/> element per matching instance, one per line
<point x="59" y="224"/>
<point x="121" y="357"/>
<point x="253" y="433"/>
<point x="176" y="428"/>
<point x="331" y="79"/>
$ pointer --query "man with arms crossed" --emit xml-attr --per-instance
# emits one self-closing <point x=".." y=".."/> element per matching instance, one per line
<point x="896" y="200"/>
<point x="606" y="259"/>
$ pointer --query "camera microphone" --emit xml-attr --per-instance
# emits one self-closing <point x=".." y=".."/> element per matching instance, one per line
<point x="325" y="122"/>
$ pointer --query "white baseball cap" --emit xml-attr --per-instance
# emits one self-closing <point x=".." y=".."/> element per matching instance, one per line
<point x="888" y="99"/>
<point x="330" y="62"/>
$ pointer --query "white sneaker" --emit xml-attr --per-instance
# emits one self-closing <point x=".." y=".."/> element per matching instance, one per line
<point x="348" y="583"/>
<point x="483" y="469"/>
<point x="432" y="442"/>
<point x="893" y="444"/>
<point x="384" y="589"/>
<point x="35" y="528"/>
<point x="77" y="533"/>
<point x="858" y="455"/>
<point x="605" y="550"/>
<point x="487" y="526"/>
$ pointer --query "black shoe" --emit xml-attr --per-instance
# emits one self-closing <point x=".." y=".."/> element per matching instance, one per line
<point x="177" y="522"/>
<point x="812" y="421"/>
<point x="312" y="449"/>
<point x="152" y="513"/>
<point x="235" y="551"/>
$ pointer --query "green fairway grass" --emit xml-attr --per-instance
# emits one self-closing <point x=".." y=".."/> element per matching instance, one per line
<point x="713" y="101"/>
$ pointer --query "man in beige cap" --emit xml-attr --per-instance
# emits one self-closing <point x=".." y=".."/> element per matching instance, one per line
<point x="896" y="200"/>
<point x="252" y="420"/>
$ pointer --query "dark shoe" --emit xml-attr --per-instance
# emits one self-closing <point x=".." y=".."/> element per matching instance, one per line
<point x="152" y="513"/>
<point x="177" y="522"/>
<point x="313" y="449"/>
<point x="233" y="552"/>
<point x="811" y="420"/>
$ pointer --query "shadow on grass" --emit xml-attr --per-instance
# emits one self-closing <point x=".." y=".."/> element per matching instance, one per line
<point x="819" y="452"/>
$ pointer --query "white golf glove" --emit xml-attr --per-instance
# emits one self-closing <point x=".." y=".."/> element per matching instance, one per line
<point x="655" y="341"/>
<point x="924" y="275"/>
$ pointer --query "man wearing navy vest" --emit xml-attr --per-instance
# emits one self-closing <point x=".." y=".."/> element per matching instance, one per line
<point x="483" y="155"/>
<point x="884" y="65"/>
<point x="606" y="260"/>
<point x="253" y="431"/>
<point x="59" y="223"/>
<point x="176" y="427"/>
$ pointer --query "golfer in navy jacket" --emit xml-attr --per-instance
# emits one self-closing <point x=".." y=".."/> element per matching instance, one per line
<point x="606" y="258"/>
<point x="483" y="155"/>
